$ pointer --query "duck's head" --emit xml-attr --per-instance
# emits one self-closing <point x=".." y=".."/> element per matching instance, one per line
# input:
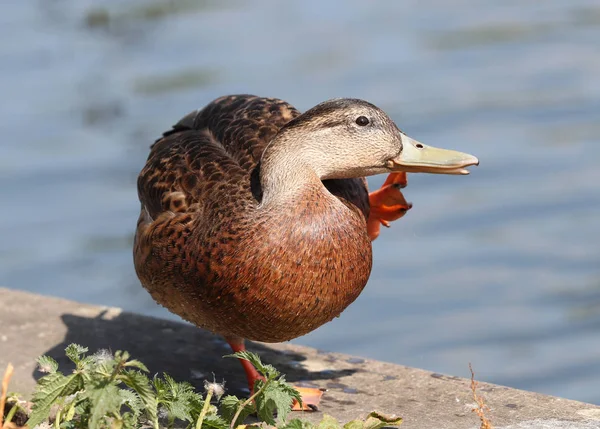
<point x="345" y="138"/>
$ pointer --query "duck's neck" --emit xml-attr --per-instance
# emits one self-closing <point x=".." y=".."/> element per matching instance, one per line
<point x="286" y="172"/>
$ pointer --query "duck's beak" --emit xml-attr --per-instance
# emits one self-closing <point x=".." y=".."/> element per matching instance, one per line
<point x="419" y="158"/>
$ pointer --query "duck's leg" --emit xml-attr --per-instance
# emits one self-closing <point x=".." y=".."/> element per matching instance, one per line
<point x="237" y="345"/>
<point x="387" y="204"/>
<point x="310" y="396"/>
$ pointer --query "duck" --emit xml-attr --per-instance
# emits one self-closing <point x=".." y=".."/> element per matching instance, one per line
<point x="256" y="222"/>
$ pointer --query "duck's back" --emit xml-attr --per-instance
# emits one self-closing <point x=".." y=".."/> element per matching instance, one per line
<point x="217" y="146"/>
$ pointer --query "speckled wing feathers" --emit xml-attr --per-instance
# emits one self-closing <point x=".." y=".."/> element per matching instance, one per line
<point x="242" y="124"/>
<point x="208" y="150"/>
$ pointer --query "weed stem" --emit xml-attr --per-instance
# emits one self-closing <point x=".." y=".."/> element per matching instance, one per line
<point x="209" y="394"/>
<point x="247" y="402"/>
<point x="4" y="392"/>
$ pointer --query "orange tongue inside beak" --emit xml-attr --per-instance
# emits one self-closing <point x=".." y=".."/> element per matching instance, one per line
<point x="387" y="204"/>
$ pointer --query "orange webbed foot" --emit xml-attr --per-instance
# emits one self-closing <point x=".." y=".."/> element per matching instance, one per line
<point x="311" y="396"/>
<point x="387" y="204"/>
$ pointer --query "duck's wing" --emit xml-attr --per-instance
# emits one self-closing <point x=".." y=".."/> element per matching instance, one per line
<point x="242" y="124"/>
<point x="214" y="148"/>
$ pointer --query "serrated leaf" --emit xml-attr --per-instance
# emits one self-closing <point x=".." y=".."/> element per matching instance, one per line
<point x="160" y="387"/>
<point x="86" y="364"/>
<point x="141" y="385"/>
<point x="131" y="400"/>
<point x="179" y="409"/>
<point x="298" y="424"/>
<point x="230" y="404"/>
<point x="102" y="371"/>
<point x="288" y="389"/>
<point x="74" y="352"/>
<point x="195" y="405"/>
<point x="268" y="371"/>
<point x="273" y="399"/>
<point x="214" y="421"/>
<point x="71" y="410"/>
<point x="129" y="421"/>
<point x="134" y="363"/>
<point x="47" y="365"/>
<point x="104" y="400"/>
<point x="328" y="422"/>
<point x="48" y="390"/>
<point x="122" y="356"/>
<point x="170" y="382"/>
<point x="179" y="399"/>
<point x="376" y="420"/>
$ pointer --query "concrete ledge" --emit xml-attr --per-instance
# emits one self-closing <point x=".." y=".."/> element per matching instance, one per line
<point x="31" y="325"/>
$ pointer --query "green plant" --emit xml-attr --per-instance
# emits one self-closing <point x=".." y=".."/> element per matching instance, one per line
<point x="114" y="391"/>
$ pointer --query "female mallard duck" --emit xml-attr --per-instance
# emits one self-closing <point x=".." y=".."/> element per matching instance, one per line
<point x="256" y="221"/>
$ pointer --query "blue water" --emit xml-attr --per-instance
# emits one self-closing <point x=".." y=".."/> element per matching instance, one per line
<point x="500" y="268"/>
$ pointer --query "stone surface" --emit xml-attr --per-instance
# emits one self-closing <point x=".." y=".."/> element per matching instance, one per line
<point x="31" y="325"/>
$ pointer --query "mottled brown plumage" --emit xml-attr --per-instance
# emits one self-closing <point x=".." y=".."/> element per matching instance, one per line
<point x="202" y="251"/>
<point x="253" y="219"/>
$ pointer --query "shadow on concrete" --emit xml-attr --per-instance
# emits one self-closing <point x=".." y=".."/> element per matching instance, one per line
<point x="181" y="350"/>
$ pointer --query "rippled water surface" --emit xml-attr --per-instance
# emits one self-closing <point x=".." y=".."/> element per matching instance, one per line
<point x="500" y="268"/>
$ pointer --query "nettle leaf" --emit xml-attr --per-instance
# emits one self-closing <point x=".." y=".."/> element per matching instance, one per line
<point x="141" y="385"/>
<point x="288" y="389"/>
<point x="74" y="352"/>
<point x="328" y="422"/>
<point x="133" y="401"/>
<point x="122" y="356"/>
<point x="215" y="422"/>
<point x="71" y="408"/>
<point x="130" y="421"/>
<point x="230" y="404"/>
<point x="103" y="370"/>
<point x="86" y="364"/>
<point x="195" y="405"/>
<point x="67" y="425"/>
<point x="105" y="400"/>
<point x="161" y="388"/>
<point x="170" y="383"/>
<point x="47" y="364"/>
<point x="179" y="399"/>
<point x="268" y="371"/>
<point x="134" y="363"/>
<point x="82" y="408"/>
<point x="273" y="399"/>
<point x="48" y="390"/>
<point x="179" y="408"/>
<point x="298" y="424"/>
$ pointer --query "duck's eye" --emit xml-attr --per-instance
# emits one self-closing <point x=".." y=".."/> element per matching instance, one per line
<point x="362" y="121"/>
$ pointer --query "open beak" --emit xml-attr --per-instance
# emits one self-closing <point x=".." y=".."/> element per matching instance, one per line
<point x="419" y="158"/>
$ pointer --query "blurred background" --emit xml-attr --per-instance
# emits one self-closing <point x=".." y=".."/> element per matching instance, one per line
<point x="499" y="268"/>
